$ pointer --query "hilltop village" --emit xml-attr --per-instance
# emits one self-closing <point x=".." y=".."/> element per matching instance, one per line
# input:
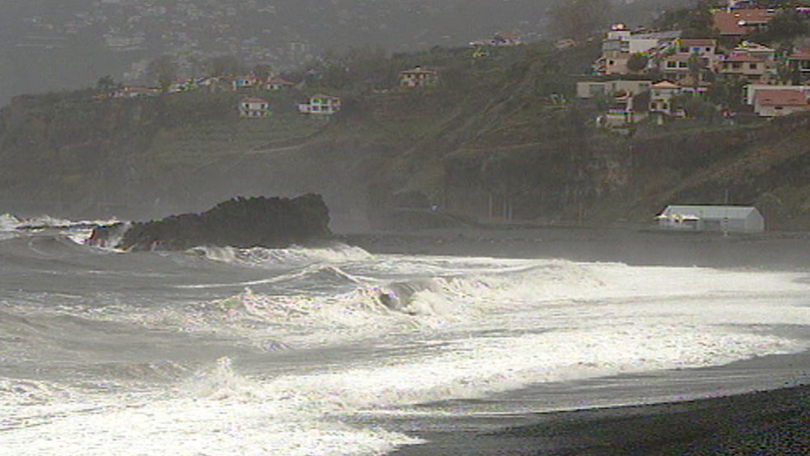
<point x="737" y="59"/>
<point x="733" y="60"/>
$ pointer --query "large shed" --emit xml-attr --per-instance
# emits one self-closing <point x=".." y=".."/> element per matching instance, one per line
<point x="738" y="219"/>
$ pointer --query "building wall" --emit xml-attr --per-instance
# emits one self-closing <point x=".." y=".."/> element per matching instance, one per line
<point x="776" y="111"/>
<point x="751" y="89"/>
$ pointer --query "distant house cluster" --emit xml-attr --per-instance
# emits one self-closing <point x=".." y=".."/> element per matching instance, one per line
<point x="500" y="39"/>
<point x="643" y="71"/>
<point x="209" y="84"/>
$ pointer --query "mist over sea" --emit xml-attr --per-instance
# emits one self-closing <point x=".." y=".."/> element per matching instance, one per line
<point x="339" y="351"/>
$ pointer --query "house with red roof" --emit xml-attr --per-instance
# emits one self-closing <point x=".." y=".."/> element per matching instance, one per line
<point x="746" y="65"/>
<point x="740" y="22"/>
<point x="774" y="103"/>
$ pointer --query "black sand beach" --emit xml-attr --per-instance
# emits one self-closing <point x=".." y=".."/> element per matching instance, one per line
<point x="771" y="418"/>
<point x="773" y="422"/>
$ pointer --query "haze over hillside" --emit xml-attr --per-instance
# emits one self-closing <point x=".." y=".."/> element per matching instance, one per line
<point x="55" y="44"/>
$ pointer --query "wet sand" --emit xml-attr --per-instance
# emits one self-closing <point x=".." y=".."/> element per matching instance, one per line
<point x="774" y="419"/>
<point x="766" y="423"/>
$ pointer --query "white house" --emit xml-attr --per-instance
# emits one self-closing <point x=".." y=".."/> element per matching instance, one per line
<point x="321" y="104"/>
<point x="276" y="83"/>
<point x="254" y="108"/>
<point x="752" y="89"/>
<point x="775" y="103"/>
<point x="621" y="44"/>
<point x="418" y="77"/>
<point x="661" y="95"/>
<point x="734" y="219"/>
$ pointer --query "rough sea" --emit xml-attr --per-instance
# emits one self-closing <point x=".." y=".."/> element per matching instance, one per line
<point x="338" y="351"/>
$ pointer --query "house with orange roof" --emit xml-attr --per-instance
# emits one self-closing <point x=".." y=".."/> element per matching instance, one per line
<point x="661" y="95"/>
<point x="775" y="103"/>
<point x="740" y="22"/>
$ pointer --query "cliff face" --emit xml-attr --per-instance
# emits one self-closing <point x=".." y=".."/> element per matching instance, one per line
<point x="611" y="179"/>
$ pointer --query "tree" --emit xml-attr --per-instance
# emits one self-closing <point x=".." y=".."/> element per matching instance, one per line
<point x="728" y="92"/>
<point x="783" y="28"/>
<point x="162" y="71"/>
<point x="579" y="19"/>
<point x="106" y="84"/>
<point x="262" y="72"/>
<point x="692" y="22"/>
<point x="224" y="65"/>
<point x="637" y="62"/>
<point x="697" y="66"/>
<point x="695" y="106"/>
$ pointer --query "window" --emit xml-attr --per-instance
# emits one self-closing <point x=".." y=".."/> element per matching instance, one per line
<point x="753" y="66"/>
<point x="671" y="64"/>
<point x="736" y="65"/>
<point x="683" y="65"/>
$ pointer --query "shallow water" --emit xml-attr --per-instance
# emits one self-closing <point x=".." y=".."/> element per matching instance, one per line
<point x="220" y="351"/>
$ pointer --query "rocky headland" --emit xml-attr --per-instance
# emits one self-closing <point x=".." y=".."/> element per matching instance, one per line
<point x="239" y="222"/>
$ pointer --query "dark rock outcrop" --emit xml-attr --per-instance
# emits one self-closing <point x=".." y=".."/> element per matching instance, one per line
<point x="239" y="222"/>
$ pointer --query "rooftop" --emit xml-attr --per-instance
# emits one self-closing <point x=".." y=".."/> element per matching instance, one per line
<point x="739" y="22"/>
<point x="780" y="98"/>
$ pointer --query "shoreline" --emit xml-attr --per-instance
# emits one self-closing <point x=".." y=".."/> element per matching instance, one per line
<point x="769" y="416"/>
<point x="773" y="422"/>
<point x="633" y="246"/>
<point x="766" y="415"/>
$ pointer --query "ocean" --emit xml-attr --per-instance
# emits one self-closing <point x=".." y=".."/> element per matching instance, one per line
<point x="340" y="351"/>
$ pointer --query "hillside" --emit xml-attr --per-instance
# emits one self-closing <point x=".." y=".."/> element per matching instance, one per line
<point x="67" y="44"/>
<point x="499" y="139"/>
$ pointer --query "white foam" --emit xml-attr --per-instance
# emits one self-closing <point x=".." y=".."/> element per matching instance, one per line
<point x="293" y="256"/>
<point x="218" y="412"/>
<point x="9" y="222"/>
